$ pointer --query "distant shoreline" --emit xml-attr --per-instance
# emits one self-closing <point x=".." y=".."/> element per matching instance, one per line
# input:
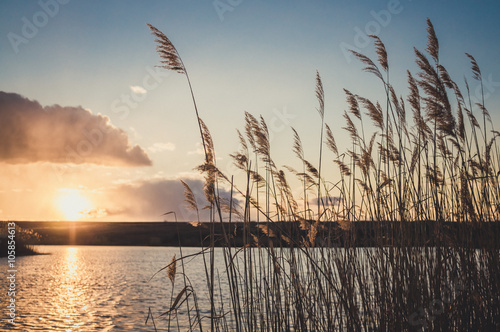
<point x="189" y="234"/>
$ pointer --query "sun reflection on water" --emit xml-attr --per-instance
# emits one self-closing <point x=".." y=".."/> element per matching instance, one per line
<point x="71" y="261"/>
<point x="86" y="288"/>
<point x="71" y="290"/>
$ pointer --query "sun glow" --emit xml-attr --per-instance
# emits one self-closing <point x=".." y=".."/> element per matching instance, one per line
<point x="73" y="204"/>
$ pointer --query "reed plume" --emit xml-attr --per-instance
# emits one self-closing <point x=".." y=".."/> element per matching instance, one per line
<point x="432" y="42"/>
<point x="190" y="198"/>
<point x="353" y="104"/>
<point x="381" y="52"/>
<point x="371" y="67"/>
<point x="172" y="269"/>
<point x="374" y="112"/>
<point x="330" y="141"/>
<point x="167" y="51"/>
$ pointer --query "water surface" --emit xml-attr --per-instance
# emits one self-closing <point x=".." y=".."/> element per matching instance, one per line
<point x="89" y="288"/>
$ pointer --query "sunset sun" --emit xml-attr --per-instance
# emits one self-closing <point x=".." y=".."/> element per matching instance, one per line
<point x="72" y="204"/>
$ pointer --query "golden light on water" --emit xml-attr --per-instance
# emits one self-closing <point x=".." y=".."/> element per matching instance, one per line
<point x="72" y="204"/>
<point x="71" y="295"/>
<point x="71" y="262"/>
<point x="68" y="280"/>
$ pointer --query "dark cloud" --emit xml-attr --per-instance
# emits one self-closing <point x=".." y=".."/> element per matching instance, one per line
<point x="149" y="199"/>
<point x="57" y="134"/>
<point x="325" y="200"/>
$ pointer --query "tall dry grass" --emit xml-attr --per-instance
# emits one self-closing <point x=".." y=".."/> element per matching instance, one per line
<point x="407" y="238"/>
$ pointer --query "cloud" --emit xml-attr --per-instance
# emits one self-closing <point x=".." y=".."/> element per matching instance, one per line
<point x="325" y="200"/>
<point x="159" y="147"/>
<point x="149" y="199"/>
<point x="93" y="213"/>
<point x="57" y="134"/>
<point x="198" y="151"/>
<point x="138" y="90"/>
<point x="135" y="134"/>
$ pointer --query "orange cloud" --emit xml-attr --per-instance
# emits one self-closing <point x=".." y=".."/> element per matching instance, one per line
<point x="32" y="133"/>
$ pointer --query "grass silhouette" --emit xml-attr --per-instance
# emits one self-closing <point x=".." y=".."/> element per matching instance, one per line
<point x="402" y="181"/>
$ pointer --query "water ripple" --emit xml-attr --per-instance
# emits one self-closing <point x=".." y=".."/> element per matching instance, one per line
<point x="87" y="288"/>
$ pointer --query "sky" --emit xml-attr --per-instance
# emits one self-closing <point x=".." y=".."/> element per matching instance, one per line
<point x="92" y="130"/>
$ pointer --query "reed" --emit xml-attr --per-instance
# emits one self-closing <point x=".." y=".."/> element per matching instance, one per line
<point x="406" y="239"/>
<point x="24" y="241"/>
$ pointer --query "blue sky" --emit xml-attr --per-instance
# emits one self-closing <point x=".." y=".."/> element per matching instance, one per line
<point x="241" y="55"/>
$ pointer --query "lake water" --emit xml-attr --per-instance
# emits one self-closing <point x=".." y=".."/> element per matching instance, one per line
<point x="97" y="288"/>
<point x="92" y="288"/>
<point x="106" y="288"/>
